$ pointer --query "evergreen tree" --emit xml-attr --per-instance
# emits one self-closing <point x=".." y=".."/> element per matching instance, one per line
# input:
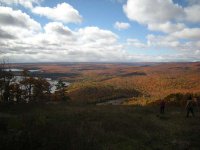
<point x="60" y="88"/>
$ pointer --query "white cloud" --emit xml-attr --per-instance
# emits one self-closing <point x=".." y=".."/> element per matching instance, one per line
<point x="57" y="28"/>
<point x="192" y="13"/>
<point x="16" y="18"/>
<point x="183" y="51"/>
<point x="166" y="27"/>
<point x="60" y="43"/>
<point x="136" y="43"/>
<point x="166" y="42"/>
<point x="25" y="3"/>
<point x="15" y="26"/>
<point x="165" y="16"/>
<point x="96" y="35"/>
<point x="62" y="12"/>
<point x="173" y="43"/>
<point x="172" y="20"/>
<point x="162" y="41"/>
<point x="193" y="2"/>
<point x="24" y="40"/>
<point x="155" y="42"/>
<point x="188" y="33"/>
<point x="6" y="35"/>
<point x="121" y="25"/>
<point x="156" y="11"/>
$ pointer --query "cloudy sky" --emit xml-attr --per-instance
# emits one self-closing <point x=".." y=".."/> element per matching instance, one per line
<point x="100" y="30"/>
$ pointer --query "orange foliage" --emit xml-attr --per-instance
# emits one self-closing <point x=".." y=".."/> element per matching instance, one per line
<point x="154" y="81"/>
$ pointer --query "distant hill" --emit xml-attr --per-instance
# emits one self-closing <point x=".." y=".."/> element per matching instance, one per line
<point x="153" y="80"/>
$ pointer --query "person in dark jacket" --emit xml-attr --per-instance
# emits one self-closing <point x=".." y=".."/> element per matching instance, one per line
<point x="162" y="107"/>
<point x="190" y="107"/>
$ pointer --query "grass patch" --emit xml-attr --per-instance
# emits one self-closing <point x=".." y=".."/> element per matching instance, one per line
<point x="48" y="127"/>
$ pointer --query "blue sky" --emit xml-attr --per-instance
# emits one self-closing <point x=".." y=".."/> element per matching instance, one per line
<point x="101" y="13"/>
<point x="100" y="30"/>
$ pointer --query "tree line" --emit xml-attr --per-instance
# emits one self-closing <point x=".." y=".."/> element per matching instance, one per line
<point x="28" y="89"/>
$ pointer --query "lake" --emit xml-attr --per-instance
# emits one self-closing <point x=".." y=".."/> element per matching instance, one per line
<point x="53" y="83"/>
<point x="18" y="78"/>
<point x="20" y="70"/>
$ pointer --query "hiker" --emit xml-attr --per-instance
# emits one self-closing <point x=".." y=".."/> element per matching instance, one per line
<point x="162" y="107"/>
<point x="190" y="107"/>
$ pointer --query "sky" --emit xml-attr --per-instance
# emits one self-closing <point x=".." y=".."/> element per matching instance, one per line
<point x="100" y="30"/>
